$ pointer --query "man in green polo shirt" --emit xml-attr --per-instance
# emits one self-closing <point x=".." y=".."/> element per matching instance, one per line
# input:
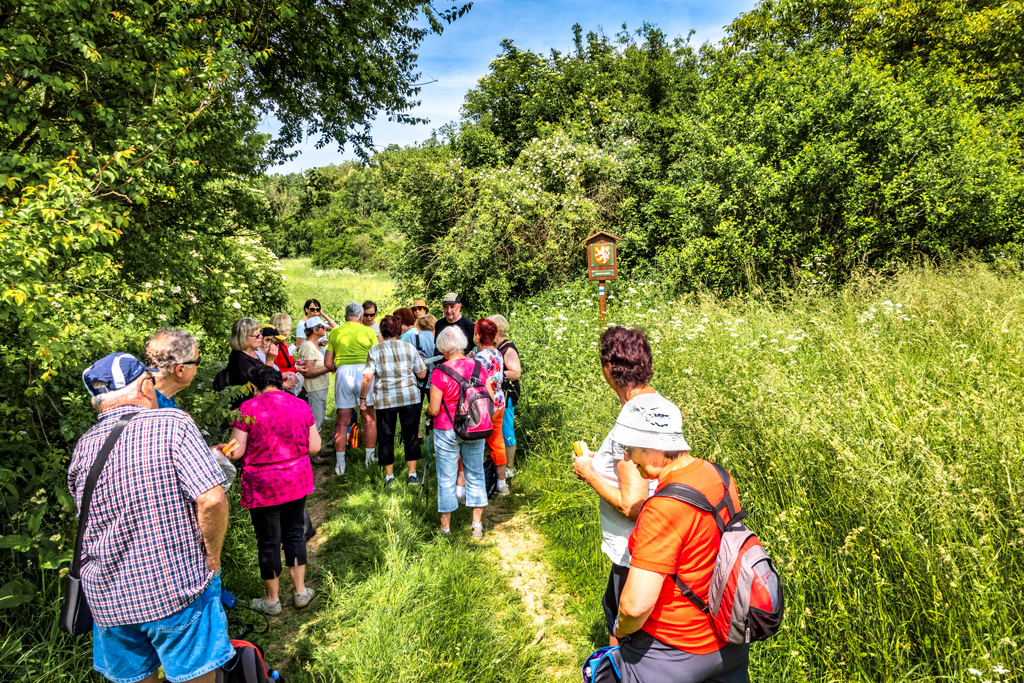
<point x="347" y="347"/>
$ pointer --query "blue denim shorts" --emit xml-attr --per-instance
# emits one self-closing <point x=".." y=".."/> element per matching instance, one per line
<point x="188" y="643"/>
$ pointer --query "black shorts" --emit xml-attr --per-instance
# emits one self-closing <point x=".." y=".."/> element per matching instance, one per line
<point x="610" y="601"/>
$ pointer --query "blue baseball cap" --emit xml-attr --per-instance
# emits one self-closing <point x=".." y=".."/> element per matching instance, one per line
<point x="117" y="371"/>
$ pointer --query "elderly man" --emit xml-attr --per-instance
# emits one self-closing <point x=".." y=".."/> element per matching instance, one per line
<point x="175" y="354"/>
<point x="452" y="305"/>
<point x="151" y="550"/>
<point x="348" y="345"/>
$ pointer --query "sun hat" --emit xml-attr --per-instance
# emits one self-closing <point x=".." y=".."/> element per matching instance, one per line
<point x="420" y="303"/>
<point x="269" y="331"/>
<point x="116" y="370"/>
<point x="650" y="421"/>
<point x="451" y="298"/>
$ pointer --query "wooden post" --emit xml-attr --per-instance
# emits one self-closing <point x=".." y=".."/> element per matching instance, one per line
<point x="602" y="264"/>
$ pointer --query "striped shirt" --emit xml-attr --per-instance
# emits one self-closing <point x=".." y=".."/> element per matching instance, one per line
<point x="143" y="556"/>
<point x="395" y="363"/>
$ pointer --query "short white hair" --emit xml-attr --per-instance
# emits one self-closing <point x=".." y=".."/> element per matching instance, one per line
<point x="109" y="399"/>
<point x="501" y="322"/>
<point x="169" y="347"/>
<point x="450" y="340"/>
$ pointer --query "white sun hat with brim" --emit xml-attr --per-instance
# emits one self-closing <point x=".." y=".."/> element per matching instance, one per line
<point x="650" y="421"/>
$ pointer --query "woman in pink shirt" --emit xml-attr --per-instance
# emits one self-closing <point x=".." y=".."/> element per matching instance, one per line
<point x="275" y="435"/>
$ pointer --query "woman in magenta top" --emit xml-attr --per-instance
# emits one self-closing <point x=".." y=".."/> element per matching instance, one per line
<point x="448" y="447"/>
<point x="275" y="435"/>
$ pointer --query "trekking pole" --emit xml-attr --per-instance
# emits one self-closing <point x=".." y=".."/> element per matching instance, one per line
<point x="429" y="432"/>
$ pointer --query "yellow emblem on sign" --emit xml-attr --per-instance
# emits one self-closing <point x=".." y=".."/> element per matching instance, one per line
<point x="602" y="253"/>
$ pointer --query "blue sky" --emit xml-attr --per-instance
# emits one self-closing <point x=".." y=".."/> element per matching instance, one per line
<point x="460" y="56"/>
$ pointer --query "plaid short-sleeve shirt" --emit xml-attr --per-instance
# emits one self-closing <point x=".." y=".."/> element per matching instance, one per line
<point x="395" y="363"/>
<point x="143" y="556"/>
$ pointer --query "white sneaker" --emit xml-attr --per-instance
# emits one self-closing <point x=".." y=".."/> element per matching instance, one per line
<point x="339" y="468"/>
<point x="370" y="460"/>
<point x="503" y="487"/>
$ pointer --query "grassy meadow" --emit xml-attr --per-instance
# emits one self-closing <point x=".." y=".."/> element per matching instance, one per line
<point x="875" y="436"/>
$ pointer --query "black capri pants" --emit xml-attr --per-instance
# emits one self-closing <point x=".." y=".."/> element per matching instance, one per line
<point x="277" y="526"/>
<point x="409" y="417"/>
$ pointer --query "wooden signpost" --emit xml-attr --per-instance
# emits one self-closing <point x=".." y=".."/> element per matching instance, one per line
<point x="602" y="263"/>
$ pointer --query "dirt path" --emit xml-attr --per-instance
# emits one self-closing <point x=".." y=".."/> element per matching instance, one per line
<point x="520" y="547"/>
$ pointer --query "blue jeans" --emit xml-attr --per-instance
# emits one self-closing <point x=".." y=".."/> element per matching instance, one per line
<point x="447" y="448"/>
<point x="508" y="425"/>
<point x="189" y="643"/>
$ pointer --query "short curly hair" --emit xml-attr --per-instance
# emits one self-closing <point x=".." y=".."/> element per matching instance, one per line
<point x="627" y="354"/>
<point x="390" y="327"/>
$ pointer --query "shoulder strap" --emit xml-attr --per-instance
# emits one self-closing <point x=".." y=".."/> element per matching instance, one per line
<point x="90" y="484"/>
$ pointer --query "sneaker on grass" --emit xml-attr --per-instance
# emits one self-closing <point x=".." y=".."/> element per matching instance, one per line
<point x="389" y="482"/>
<point x="503" y="488"/>
<point x="339" y="468"/>
<point x="478" y="531"/>
<point x="266" y="606"/>
<point x="414" y="480"/>
<point x="304" y="598"/>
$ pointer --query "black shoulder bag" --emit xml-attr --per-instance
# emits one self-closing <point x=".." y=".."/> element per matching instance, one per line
<point x="75" y="617"/>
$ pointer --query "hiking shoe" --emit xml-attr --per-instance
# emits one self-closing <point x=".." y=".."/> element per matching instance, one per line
<point x="317" y="459"/>
<point x="478" y="531"/>
<point x="503" y="488"/>
<point x="445" y="533"/>
<point x="265" y="606"/>
<point x="414" y="480"/>
<point x="304" y="598"/>
<point x="339" y="468"/>
<point x="389" y="482"/>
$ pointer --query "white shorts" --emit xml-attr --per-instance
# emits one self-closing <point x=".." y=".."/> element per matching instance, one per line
<point x="348" y="380"/>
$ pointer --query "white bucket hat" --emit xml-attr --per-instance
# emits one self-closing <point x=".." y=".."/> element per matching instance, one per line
<point x="650" y="421"/>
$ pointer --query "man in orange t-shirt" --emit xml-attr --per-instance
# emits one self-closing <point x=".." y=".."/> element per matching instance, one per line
<point x="665" y="638"/>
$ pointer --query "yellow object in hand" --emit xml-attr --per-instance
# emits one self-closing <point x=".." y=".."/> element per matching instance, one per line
<point x="580" y="448"/>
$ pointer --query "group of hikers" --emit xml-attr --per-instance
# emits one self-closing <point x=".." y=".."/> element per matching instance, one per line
<point x="160" y="499"/>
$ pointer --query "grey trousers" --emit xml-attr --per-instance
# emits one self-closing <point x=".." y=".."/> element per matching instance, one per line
<point x="645" y="659"/>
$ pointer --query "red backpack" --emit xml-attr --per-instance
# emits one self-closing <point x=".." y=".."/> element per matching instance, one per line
<point x="744" y="601"/>
<point x="472" y="419"/>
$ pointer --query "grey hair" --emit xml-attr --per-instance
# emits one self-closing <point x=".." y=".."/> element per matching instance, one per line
<point x="109" y="399"/>
<point x="354" y="310"/>
<point x="501" y="322"/>
<point x="166" y="348"/>
<point x="450" y="340"/>
<point x="240" y="332"/>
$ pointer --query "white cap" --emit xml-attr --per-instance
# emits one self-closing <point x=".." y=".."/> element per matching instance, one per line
<point x="650" y="421"/>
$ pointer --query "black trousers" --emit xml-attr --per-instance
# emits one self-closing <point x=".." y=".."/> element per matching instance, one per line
<point x="409" y="417"/>
<point x="612" y="593"/>
<point x="277" y="526"/>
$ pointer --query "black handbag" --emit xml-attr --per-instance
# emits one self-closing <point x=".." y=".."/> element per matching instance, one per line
<point x="75" y="617"/>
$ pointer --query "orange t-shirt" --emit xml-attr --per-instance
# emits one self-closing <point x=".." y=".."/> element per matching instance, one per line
<point x="673" y="537"/>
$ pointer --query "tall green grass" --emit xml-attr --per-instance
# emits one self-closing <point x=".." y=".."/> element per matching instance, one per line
<point x="876" y="439"/>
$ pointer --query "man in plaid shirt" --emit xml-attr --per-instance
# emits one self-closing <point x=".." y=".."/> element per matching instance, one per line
<point x="156" y="523"/>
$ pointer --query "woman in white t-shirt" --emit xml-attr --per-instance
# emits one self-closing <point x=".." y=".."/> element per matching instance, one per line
<point x="626" y="362"/>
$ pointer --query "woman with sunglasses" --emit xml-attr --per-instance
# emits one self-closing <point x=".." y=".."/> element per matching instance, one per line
<point x="312" y="309"/>
<point x="246" y="339"/>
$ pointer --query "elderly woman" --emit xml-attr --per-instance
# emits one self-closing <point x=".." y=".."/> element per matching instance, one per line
<point x="670" y="639"/>
<point x="275" y="343"/>
<point x="275" y="435"/>
<point x="396" y="365"/>
<point x="627" y="365"/>
<point x="246" y="339"/>
<point x="484" y="334"/>
<point x="513" y="371"/>
<point x="310" y="309"/>
<point x="311" y="366"/>
<point x="444" y="394"/>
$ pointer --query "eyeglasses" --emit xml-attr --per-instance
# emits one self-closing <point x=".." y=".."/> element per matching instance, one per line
<point x="258" y="334"/>
<point x="192" y="362"/>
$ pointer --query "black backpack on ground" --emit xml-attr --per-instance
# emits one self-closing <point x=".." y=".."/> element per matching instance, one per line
<point x="247" y="666"/>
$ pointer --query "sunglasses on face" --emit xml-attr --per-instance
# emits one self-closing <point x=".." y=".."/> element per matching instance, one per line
<point x="313" y="309"/>
<point x="258" y="334"/>
<point x="192" y="362"/>
<point x="369" y="315"/>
